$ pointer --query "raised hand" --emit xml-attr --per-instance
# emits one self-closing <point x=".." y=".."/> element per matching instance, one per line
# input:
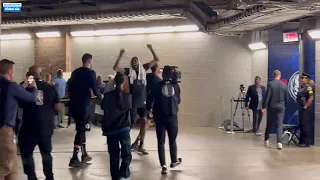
<point x="122" y="51"/>
<point x="149" y="46"/>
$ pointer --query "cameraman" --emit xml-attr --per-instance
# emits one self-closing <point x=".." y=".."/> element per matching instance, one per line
<point x="165" y="97"/>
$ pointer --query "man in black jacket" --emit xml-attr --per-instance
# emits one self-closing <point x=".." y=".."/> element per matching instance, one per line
<point x="82" y="84"/>
<point x="165" y="97"/>
<point x="37" y="127"/>
<point x="255" y="95"/>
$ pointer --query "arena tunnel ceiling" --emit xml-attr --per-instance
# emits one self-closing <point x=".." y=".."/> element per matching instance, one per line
<point x="216" y="16"/>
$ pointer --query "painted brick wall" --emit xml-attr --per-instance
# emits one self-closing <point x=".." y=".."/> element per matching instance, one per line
<point x="21" y="52"/>
<point x="212" y="67"/>
<point x="50" y="54"/>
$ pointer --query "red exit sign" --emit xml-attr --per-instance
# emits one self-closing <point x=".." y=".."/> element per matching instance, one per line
<point x="290" y="37"/>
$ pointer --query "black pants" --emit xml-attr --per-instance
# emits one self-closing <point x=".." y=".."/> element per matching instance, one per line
<point x="257" y="118"/>
<point x="81" y="115"/>
<point x="27" y="145"/>
<point x="275" y="116"/>
<point x="169" y="124"/>
<point x="304" y="124"/>
<point x="80" y="138"/>
<point x="114" y="151"/>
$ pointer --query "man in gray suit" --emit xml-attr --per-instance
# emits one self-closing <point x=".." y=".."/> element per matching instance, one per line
<point x="275" y="101"/>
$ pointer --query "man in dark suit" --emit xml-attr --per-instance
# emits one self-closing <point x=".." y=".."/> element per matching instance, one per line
<point x="254" y="97"/>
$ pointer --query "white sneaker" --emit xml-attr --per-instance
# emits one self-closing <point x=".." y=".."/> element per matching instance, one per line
<point x="266" y="143"/>
<point x="279" y="146"/>
<point x="124" y="178"/>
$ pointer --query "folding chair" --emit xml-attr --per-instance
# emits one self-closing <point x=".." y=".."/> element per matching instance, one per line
<point x="291" y="129"/>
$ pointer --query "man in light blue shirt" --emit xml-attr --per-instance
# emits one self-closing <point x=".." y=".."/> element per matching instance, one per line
<point x="60" y="85"/>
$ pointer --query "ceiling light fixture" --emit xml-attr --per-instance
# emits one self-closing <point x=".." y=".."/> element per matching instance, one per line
<point x="257" y="46"/>
<point x="48" y="34"/>
<point x="150" y="30"/>
<point x="82" y="33"/>
<point x="15" y="36"/>
<point x="314" y="34"/>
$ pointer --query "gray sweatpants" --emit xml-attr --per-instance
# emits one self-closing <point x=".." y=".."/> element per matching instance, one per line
<point x="275" y="116"/>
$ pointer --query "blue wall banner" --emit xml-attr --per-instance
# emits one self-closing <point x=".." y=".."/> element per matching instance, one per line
<point x="285" y="57"/>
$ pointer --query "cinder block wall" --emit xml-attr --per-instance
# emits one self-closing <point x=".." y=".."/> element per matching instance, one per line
<point x="212" y="67"/>
<point x="21" y="52"/>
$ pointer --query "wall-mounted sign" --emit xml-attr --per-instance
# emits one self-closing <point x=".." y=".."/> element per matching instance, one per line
<point x="290" y="37"/>
<point x="11" y="7"/>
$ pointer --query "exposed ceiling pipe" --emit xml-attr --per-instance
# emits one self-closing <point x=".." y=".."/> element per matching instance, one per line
<point x="97" y="18"/>
<point x="236" y="17"/>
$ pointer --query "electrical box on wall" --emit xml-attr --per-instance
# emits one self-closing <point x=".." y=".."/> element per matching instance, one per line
<point x="290" y="37"/>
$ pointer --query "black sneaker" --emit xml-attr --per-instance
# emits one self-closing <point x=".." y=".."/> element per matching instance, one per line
<point x="86" y="158"/>
<point x="164" y="170"/>
<point x="134" y="146"/>
<point x="173" y="165"/>
<point x="75" y="163"/>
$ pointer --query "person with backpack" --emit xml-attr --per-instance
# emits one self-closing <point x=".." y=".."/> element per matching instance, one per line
<point x="164" y="99"/>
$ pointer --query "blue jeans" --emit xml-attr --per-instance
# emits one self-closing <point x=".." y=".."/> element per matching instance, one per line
<point x="113" y="141"/>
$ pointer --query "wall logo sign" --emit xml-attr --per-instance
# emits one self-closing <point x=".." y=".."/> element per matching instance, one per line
<point x="293" y="85"/>
<point x="11" y="7"/>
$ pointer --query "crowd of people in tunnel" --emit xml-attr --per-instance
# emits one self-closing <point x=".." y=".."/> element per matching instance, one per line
<point x="129" y="93"/>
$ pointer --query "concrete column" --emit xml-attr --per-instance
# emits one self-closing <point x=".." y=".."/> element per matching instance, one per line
<point x="301" y="54"/>
<point x="317" y="89"/>
<point x="53" y="53"/>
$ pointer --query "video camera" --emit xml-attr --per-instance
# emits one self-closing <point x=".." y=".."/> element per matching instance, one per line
<point x="242" y="88"/>
<point x="176" y="75"/>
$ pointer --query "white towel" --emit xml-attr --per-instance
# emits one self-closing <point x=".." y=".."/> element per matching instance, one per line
<point x="141" y="75"/>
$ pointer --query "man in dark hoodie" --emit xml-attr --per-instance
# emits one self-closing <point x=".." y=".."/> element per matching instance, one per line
<point x="165" y="99"/>
<point x="116" y="126"/>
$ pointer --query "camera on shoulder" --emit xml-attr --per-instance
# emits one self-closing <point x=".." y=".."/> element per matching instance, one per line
<point x="171" y="74"/>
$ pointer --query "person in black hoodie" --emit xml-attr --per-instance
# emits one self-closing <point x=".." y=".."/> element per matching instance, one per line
<point x="116" y="126"/>
<point x="165" y="99"/>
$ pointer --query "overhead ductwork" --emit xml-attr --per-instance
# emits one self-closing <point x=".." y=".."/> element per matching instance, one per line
<point x="137" y="16"/>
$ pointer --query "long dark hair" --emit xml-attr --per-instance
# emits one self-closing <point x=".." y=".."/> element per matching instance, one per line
<point x="119" y="80"/>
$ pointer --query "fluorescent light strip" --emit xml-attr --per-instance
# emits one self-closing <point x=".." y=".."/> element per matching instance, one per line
<point x="150" y="30"/>
<point x="15" y="36"/>
<point x="48" y="34"/>
<point x="257" y="46"/>
<point x="314" y="34"/>
<point x="82" y="33"/>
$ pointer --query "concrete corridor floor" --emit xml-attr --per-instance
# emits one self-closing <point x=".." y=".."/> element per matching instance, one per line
<point x="207" y="153"/>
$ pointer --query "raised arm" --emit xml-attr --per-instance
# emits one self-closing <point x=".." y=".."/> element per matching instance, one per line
<point x="116" y="65"/>
<point x="21" y="94"/>
<point x="155" y="57"/>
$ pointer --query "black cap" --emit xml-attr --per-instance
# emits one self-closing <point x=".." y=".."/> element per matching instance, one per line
<point x="306" y="75"/>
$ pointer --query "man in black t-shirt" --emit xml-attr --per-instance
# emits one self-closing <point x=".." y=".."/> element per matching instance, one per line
<point x="37" y="126"/>
<point x="82" y="84"/>
<point x="137" y="83"/>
